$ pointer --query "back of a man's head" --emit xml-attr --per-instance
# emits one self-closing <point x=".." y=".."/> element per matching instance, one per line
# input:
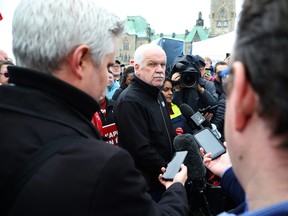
<point x="262" y="46"/>
<point x="46" y="31"/>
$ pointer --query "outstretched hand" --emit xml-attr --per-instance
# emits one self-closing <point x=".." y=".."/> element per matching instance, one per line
<point x="218" y="165"/>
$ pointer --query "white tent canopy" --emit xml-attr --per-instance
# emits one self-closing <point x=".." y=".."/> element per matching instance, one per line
<point x="215" y="48"/>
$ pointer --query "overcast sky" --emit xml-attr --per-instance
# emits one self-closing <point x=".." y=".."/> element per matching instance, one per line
<point x="164" y="16"/>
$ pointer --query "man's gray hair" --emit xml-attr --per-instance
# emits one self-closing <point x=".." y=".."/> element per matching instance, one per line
<point x="45" y="32"/>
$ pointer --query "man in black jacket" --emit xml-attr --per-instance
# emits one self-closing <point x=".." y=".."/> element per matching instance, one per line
<point x="142" y="117"/>
<point x="63" y="49"/>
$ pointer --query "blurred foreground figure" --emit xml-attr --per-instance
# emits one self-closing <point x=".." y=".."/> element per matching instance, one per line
<point x="52" y="159"/>
<point x="256" y="124"/>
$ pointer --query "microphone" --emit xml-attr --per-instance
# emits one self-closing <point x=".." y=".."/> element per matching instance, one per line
<point x="193" y="161"/>
<point x="198" y="119"/>
<point x="196" y="171"/>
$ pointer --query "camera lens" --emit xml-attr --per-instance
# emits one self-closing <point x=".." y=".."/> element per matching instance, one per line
<point x="188" y="79"/>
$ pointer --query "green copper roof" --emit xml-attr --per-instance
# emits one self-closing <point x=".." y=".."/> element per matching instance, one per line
<point x="197" y="30"/>
<point x="136" y="25"/>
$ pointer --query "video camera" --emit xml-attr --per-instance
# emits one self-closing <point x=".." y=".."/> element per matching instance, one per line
<point x="187" y="66"/>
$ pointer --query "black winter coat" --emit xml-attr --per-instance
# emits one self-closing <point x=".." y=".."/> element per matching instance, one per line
<point x="110" y="117"/>
<point x="84" y="178"/>
<point x="145" y="128"/>
<point x="219" y="117"/>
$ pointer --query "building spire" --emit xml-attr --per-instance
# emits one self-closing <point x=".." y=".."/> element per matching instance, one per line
<point x="200" y="21"/>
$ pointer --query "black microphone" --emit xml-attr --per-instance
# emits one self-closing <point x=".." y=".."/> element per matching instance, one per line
<point x="193" y="161"/>
<point x="198" y="119"/>
<point x="196" y="171"/>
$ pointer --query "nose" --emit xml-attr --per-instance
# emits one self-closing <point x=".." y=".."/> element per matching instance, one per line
<point x="160" y="71"/>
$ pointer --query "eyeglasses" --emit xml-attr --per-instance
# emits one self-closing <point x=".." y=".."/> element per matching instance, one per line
<point x="5" y="74"/>
<point x="227" y="78"/>
<point x="225" y="73"/>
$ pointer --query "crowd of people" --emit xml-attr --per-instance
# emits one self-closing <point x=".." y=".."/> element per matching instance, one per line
<point x="56" y="101"/>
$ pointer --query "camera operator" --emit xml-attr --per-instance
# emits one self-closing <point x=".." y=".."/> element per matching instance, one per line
<point x="190" y="87"/>
<point x="209" y="85"/>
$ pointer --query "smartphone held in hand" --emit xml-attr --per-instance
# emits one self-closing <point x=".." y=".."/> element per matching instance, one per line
<point x="173" y="166"/>
<point x="210" y="143"/>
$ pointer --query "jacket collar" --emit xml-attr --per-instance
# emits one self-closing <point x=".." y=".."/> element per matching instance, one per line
<point x="147" y="89"/>
<point x="76" y="98"/>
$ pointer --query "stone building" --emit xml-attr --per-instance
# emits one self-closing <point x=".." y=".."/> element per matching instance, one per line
<point x="222" y="17"/>
<point x="138" y="31"/>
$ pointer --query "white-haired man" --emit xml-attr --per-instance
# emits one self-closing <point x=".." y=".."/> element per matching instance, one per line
<point x="142" y="117"/>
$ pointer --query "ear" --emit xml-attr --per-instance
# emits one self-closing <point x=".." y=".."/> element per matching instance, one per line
<point x="78" y="59"/>
<point x="244" y="96"/>
<point x="136" y="68"/>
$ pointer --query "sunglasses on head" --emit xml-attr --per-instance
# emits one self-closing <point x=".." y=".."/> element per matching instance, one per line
<point x="5" y="74"/>
<point x="225" y="73"/>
